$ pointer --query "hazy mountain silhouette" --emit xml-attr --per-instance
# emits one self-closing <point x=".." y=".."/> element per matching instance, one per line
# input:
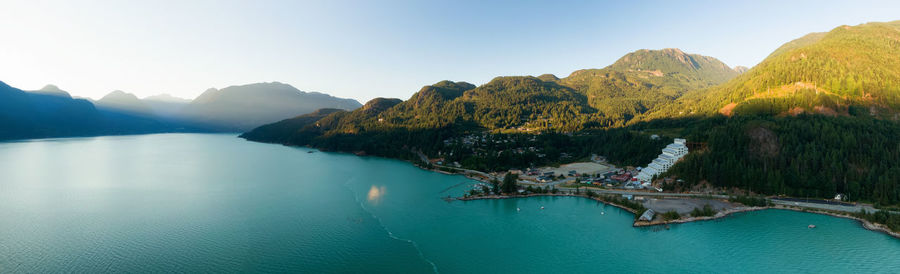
<point x="51" y="112"/>
<point x="165" y="105"/>
<point x="120" y="101"/>
<point x="241" y="108"/>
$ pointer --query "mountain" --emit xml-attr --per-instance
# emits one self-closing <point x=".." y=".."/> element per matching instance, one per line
<point x="290" y="131"/>
<point x="241" y="108"/>
<point x="644" y="79"/>
<point x="120" y="101"/>
<point x="165" y="105"/>
<point x="850" y="70"/>
<point x="817" y="117"/>
<point x="51" y="112"/>
<point x="592" y="98"/>
<point x="52" y="90"/>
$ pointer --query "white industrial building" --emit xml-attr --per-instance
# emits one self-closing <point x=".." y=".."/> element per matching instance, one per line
<point x="670" y="154"/>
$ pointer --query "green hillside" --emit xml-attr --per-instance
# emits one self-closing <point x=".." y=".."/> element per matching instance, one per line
<point x="849" y="70"/>
<point x="290" y="131"/>
<point x="645" y="79"/>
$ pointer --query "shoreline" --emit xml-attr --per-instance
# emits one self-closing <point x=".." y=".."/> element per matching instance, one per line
<point x="722" y="214"/>
<point x="864" y="223"/>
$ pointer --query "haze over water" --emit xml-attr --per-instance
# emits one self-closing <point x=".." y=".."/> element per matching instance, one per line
<point x="216" y="203"/>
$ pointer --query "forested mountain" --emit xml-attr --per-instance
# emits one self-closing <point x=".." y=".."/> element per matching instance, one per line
<point x="644" y="79"/>
<point x="849" y="69"/>
<point x="815" y="118"/>
<point x="290" y="131"/>
<point x="593" y="98"/>
<point x="241" y="108"/>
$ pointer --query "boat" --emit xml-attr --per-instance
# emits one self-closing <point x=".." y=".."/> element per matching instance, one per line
<point x="811" y="226"/>
<point x="602" y="212"/>
<point x="311" y="151"/>
<point x="542" y="207"/>
<point x="518" y="209"/>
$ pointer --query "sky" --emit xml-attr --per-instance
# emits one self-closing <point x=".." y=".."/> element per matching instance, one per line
<point x="368" y="49"/>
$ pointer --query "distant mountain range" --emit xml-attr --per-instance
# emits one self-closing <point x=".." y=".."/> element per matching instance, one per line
<point x="241" y="108"/>
<point x="52" y="112"/>
<point x="598" y="98"/>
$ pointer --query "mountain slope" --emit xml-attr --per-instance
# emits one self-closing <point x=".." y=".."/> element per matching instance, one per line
<point x="644" y="79"/>
<point x="848" y="70"/>
<point x="241" y="108"/>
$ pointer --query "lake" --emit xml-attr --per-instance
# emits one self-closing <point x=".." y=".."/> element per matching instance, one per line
<point x="217" y="203"/>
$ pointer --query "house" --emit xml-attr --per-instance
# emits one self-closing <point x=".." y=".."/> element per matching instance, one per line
<point x="839" y="197"/>
<point x="647" y="216"/>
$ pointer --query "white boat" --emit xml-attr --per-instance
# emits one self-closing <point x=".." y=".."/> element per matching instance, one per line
<point x="811" y="226"/>
<point x="518" y="209"/>
<point x="542" y="207"/>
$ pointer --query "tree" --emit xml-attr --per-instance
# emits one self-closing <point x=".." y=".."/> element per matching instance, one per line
<point x="509" y="183"/>
<point x="495" y="185"/>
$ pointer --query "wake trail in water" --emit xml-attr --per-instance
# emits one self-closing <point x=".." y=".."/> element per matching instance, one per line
<point x="389" y="233"/>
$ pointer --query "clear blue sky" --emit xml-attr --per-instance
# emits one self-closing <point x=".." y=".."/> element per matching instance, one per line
<point x="367" y="49"/>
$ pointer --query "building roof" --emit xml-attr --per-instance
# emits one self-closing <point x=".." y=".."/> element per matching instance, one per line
<point x="647" y="216"/>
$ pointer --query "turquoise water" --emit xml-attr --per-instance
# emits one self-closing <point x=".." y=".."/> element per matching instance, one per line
<point x="216" y="203"/>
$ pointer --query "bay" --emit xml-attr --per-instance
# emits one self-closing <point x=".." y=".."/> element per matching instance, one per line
<point x="217" y="203"/>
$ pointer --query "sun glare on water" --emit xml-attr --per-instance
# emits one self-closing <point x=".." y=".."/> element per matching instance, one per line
<point x="375" y="194"/>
